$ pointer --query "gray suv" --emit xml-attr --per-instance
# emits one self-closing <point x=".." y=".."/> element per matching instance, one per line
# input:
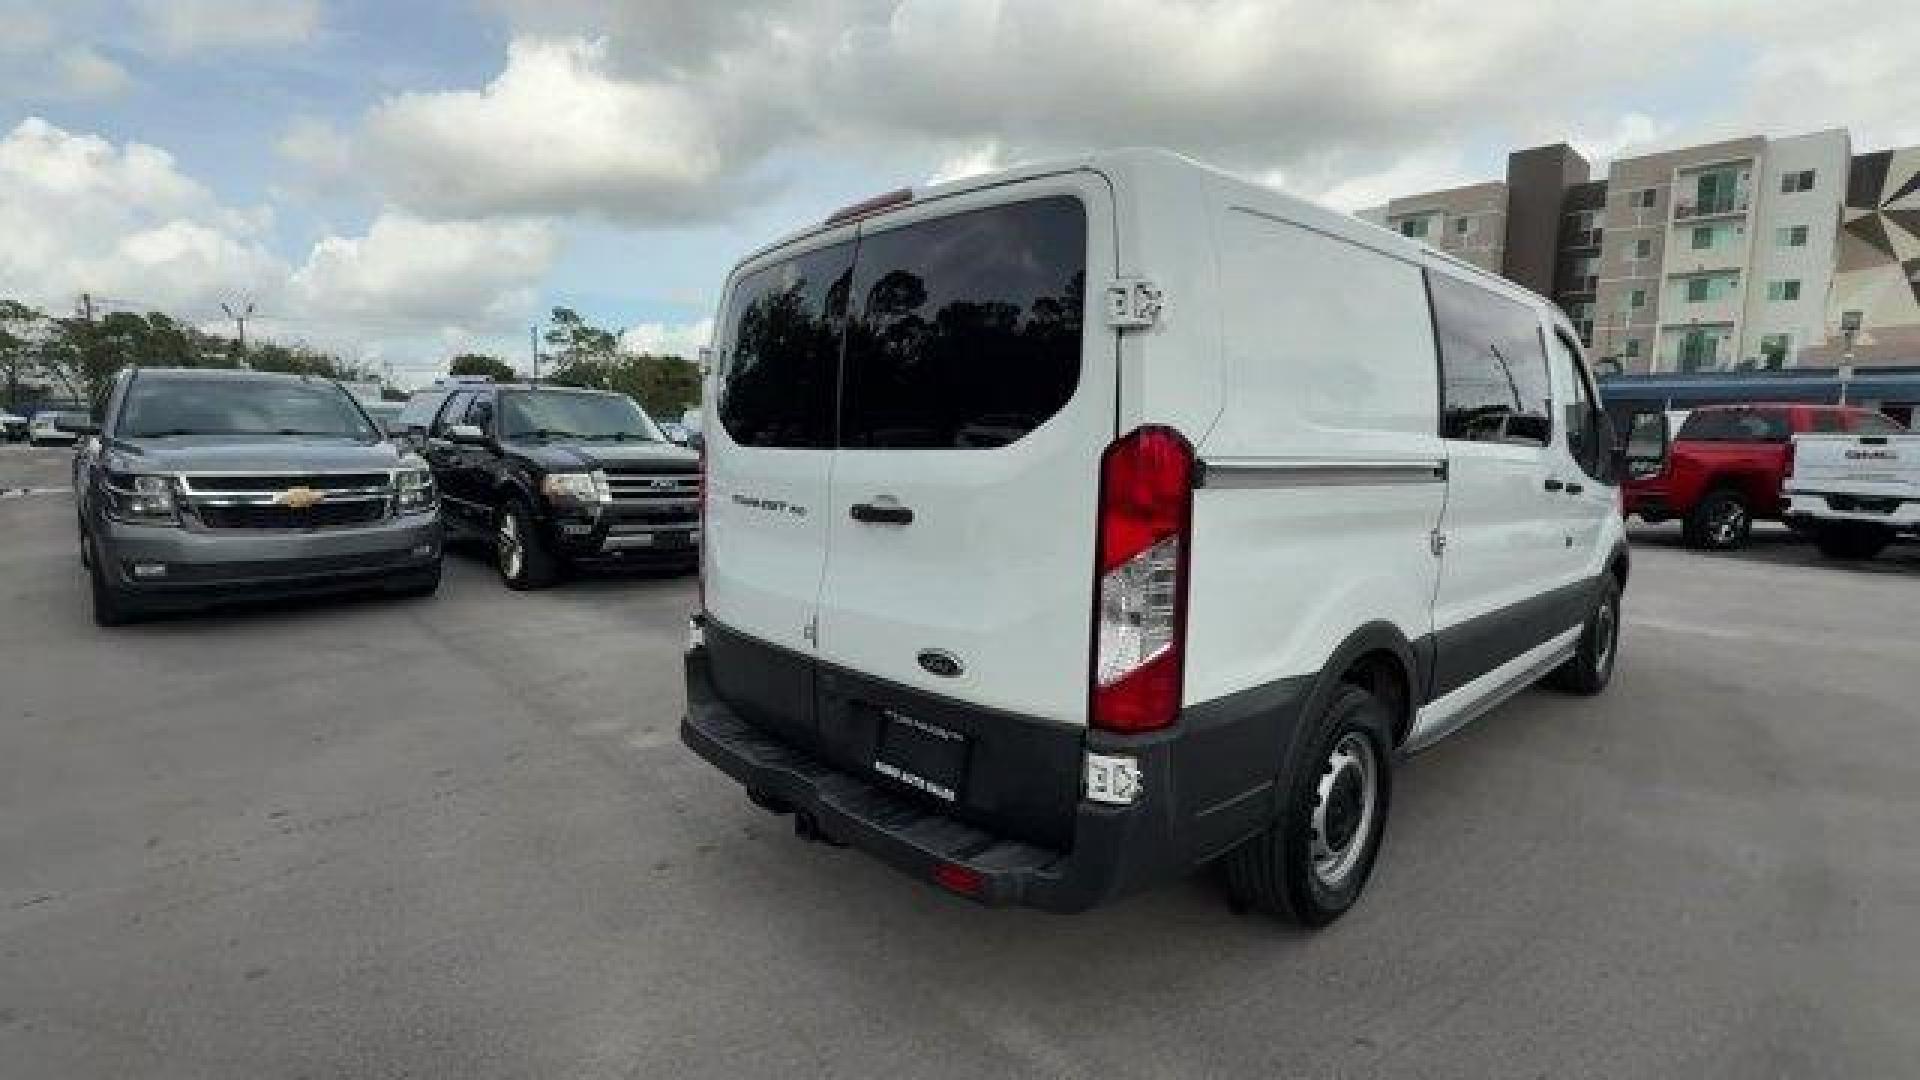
<point x="205" y="485"/>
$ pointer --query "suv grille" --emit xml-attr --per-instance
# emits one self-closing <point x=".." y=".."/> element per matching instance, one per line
<point x="321" y="516"/>
<point x="654" y="486"/>
<point x="313" y="501"/>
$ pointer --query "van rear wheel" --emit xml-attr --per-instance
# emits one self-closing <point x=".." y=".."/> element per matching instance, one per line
<point x="1590" y="668"/>
<point x="1311" y="865"/>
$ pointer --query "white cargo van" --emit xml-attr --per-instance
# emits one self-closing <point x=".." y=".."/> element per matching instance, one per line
<point x="1079" y="526"/>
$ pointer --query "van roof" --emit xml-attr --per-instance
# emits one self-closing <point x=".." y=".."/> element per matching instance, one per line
<point x="1172" y="169"/>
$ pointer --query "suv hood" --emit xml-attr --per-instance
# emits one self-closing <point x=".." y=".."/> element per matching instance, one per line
<point x="239" y="453"/>
<point x="582" y="457"/>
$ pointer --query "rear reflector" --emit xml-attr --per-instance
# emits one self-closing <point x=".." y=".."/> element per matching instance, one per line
<point x="871" y="206"/>
<point x="1140" y="581"/>
<point x="964" y="880"/>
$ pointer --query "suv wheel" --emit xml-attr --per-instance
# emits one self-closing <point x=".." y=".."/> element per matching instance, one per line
<point x="519" y="552"/>
<point x="1311" y="865"/>
<point x="1721" y="522"/>
<point x="1591" y="666"/>
<point x="1853" y="541"/>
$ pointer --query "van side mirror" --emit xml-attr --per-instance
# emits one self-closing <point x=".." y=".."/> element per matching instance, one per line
<point x="466" y="435"/>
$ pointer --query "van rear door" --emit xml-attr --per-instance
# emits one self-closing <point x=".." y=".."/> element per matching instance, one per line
<point x="978" y="392"/>
<point x="768" y="459"/>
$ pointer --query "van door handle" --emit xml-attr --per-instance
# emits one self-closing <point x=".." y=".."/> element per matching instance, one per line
<point x="1554" y="484"/>
<point x="1574" y="489"/>
<point x="882" y="513"/>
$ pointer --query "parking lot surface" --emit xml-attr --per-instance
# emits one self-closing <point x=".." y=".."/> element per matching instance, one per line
<point x="458" y="837"/>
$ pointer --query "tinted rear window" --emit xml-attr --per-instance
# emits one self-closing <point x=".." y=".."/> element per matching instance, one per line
<point x="1493" y="366"/>
<point x="1876" y="424"/>
<point x="780" y="365"/>
<point x="967" y="328"/>
<point x="1735" y="425"/>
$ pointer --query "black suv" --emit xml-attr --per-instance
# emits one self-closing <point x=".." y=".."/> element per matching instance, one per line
<point x="552" y="475"/>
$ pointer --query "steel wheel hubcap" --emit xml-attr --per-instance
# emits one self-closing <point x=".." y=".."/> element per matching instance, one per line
<point x="1343" y="815"/>
<point x="509" y="545"/>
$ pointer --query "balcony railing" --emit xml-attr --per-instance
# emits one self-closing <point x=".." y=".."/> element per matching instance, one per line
<point x="1699" y="208"/>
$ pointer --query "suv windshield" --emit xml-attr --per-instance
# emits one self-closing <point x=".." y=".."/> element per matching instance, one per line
<point x="560" y="414"/>
<point x="158" y="408"/>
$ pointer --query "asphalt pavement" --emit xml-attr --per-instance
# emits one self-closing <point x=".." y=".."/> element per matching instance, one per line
<point x="459" y="837"/>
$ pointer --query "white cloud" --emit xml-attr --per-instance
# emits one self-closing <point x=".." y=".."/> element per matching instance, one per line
<point x="673" y="339"/>
<point x="435" y="273"/>
<point x="322" y="154"/>
<point x="554" y="132"/>
<point x="972" y="161"/>
<point x="183" y="26"/>
<point x="82" y="72"/>
<point x="123" y="223"/>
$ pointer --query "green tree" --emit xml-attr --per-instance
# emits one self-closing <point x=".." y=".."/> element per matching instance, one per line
<point x="17" y="349"/>
<point x="589" y="356"/>
<point x="481" y="364"/>
<point x="574" y="340"/>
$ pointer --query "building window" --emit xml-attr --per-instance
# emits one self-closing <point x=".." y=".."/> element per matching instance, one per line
<point x="1783" y="291"/>
<point x="1702" y="238"/>
<point x="1642" y="199"/>
<point x="1633" y="347"/>
<point x="1774" y="349"/>
<point x="1414" y="227"/>
<point x="1643" y="248"/>
<point x="1791" y="236"/>
<point x="1796" y="181"/>
<point x="1637" y="299"/>
<point x="1698" y="289"/>
<point x="1462" y="226"/>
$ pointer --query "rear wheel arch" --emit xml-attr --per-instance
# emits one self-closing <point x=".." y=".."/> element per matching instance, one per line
<point x="1378" y="658"/>
<point x="1620" y="565"/>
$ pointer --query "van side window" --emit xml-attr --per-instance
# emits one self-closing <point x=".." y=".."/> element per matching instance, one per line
<point x="966" y="329"/>
<point x="779" y="365"/>
<point x="1493" y="368"/>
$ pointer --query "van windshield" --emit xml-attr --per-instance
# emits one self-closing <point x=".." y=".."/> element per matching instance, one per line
<point x="956" y="332"/>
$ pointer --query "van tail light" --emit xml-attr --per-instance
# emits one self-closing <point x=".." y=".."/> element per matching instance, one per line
<point x="1140" y="581"/>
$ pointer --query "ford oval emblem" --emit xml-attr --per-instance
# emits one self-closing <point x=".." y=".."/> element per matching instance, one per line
<point x="941" y="662"/>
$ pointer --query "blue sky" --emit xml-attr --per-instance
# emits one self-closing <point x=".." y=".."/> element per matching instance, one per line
<point x="398" y="181"/>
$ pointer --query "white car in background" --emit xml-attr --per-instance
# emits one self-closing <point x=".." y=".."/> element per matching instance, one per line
<point x="13" y="427"/>
<point x="46" y="430"/>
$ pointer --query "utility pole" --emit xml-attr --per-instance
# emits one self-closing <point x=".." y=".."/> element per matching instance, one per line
<point x="533" y="343"/>
<point x="240" y="321"/>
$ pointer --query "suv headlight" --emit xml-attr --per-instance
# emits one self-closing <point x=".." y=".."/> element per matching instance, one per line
<point x="141" y="500"/>
<point x="588" y="488"/>
<point x="415" y="491"/>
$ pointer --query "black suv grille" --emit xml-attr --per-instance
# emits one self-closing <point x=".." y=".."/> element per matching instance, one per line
<point x="321" y="516"/>
<point x="654" y="484"/>
<point x="320" y="482"/>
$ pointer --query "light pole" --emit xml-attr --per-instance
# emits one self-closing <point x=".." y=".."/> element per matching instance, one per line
<point x="240" y="321"/>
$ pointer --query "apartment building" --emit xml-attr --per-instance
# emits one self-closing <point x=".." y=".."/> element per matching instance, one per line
<point x="1746" y="253"/>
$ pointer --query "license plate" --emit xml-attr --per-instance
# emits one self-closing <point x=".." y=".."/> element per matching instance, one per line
<point x="921" y="755"/>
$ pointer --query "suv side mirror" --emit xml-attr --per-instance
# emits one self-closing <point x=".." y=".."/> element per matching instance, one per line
<point x="77" y="427"/>
<point x="466" y="435"/>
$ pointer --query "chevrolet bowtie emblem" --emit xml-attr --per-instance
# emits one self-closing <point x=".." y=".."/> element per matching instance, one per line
<point x="298" y="498"/>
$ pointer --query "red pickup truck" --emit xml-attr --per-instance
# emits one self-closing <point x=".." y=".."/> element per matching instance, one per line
<point x="1727" y="465"/>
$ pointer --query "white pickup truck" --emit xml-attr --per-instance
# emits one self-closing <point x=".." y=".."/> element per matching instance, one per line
<point x="1855" y="492"/>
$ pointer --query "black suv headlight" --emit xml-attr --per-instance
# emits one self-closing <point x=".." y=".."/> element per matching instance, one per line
<point x="414" y="493"/>
<point x="142" y="500"/>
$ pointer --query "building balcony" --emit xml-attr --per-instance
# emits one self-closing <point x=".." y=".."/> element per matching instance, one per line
<point x="1696" y="209"/>
<point x="1578" y="283"/>
<point x="1581" y="238"/>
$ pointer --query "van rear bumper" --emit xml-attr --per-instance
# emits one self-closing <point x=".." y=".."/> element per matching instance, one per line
<point x="1115" y="849"/>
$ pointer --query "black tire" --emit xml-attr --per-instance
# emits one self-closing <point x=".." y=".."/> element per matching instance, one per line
<point x="110" y="608"/>
<point x="537" y="567"/>
<point x="1591" y="668"/>
<point x="1852" y="540"/>
<point x="1275" y="872"/>
<point x="1721" y="522"/>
